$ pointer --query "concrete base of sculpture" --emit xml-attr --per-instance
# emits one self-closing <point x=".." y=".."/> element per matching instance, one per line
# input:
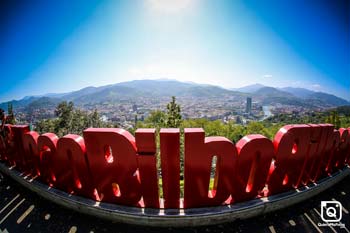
<point x="175" y="217"/>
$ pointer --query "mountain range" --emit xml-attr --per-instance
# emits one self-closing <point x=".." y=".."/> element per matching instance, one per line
<point x="162" y="88"/>
<point x="301" y="93"/>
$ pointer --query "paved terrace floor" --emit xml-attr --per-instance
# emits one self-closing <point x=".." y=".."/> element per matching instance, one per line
<point x="23" y="211"/>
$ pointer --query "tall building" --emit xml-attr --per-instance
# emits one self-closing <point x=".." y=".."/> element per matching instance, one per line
<point x="248" y="108"/>
<point x="134" y="107"/>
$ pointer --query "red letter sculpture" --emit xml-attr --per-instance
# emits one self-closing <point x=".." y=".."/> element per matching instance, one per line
<point x="170" y="160"/>
<point x="113" y="163"/>
<point x="147" y="163"/>
<point x="199" y="152"/>
<point x="255" y="153"/>
<point x="291" y="149"/>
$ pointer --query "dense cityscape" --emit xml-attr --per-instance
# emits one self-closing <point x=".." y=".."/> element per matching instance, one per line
<point x="196" y="101"/>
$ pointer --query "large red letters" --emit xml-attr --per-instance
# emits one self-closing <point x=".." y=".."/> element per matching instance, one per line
<point x="31" y="155"/>
<point x="291" y="153"/>
<point x="112" y="158"/>
<point x="111" y="165"/>
<point x="255" y="153"/>
<point x="170" y="159"/>
<point x="199" y="152"/>
<point x="147" y="164"/>
<point x="70" y="166"/>
<point x="47" y="145"/>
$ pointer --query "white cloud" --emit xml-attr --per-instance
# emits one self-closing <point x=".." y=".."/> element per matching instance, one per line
<point x="181" y="71"/>
<point x="153" y="70"/>
<point x="267" y="76"/>
<point x="170" y="6"/>
<point x="316" y="87"/>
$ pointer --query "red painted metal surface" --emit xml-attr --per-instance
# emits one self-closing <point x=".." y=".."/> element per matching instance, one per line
<point x="255" y="153"/>
<point x="6" y="144"/>
<point x="199" y="152"/>
<point x="147" y="165"/>
<point x="31" y="153"/>
<point x="47" y="144"/>
<point x="17" y="157"/>
<point x="170" y="160"/>
<point x="291" y="154"/>
<point x="112" y="158"/>
<point x="320" y="138"/>
<point x="70" y="166"/>
<point x="111" y="165"/>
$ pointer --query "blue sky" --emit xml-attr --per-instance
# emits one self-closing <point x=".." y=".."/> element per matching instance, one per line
<point x="60" y="46"/>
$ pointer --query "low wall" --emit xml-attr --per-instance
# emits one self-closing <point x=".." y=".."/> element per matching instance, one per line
<point x="110" y="165"/>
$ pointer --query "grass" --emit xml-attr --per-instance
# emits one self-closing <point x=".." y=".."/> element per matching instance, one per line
<point x="182" y="187"/>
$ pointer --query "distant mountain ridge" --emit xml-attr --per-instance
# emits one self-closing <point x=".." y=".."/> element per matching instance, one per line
<point x="163" y="88"/>
<point x="298" y="92"/>
<point x="313" y="95"/>
<point x="249" y="89"/>
<point x="302" y="93"/>
<point x="272" y="92"/>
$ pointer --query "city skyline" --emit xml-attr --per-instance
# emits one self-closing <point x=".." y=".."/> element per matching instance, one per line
<point x="62" y="47"/>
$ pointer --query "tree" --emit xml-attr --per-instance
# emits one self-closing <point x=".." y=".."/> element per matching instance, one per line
<point x="46" y="125"/>
<point x="173" y="115"/>
<point x="334" y="119"/>
<point x="256" y="128"/>
<point x="156" y="119"/>
<point x="10" y="115"/>
<point x="95" y="120"/>
<point x="64" y="112"/>
<point x="70" y="120"/>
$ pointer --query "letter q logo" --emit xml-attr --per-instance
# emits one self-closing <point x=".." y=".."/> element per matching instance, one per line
<point x="331" y="211"/>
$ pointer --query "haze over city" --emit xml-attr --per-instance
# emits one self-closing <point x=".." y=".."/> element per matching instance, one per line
<point x="55" y="47"/>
